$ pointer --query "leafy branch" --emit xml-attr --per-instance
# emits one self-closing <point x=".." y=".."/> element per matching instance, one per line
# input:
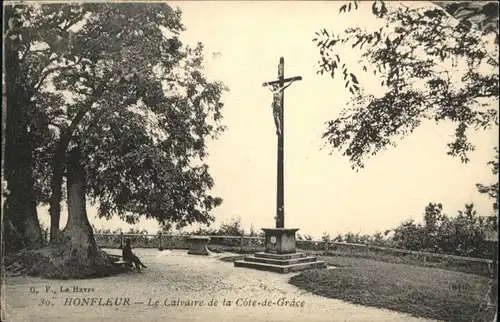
<point x="409" y="54"/>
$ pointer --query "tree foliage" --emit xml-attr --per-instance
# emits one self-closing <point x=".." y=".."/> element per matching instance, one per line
<point x="432" y="67"/>
<point x="115" y="81"/>
<point x="230" y="227"/>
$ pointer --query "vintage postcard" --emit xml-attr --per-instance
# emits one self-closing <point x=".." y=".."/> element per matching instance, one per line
<point x="250" y="161"/>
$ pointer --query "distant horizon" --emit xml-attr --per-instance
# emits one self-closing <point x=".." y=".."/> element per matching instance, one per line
<point x="126" y="228"/>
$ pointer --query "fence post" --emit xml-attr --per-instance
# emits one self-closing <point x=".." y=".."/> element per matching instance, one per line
<point x="493" y="299"/>
<point x="160" y="246"/>
<point x="241" y="243"/>
<point x="121" y="240"/>
<point x="326" y="246"/>
<point x="425" y="260"/>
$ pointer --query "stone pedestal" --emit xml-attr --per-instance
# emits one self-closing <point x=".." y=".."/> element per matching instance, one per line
<point x="280" y="240"/>
<point x="280" y="254"/>
<point x="198" y="245"/>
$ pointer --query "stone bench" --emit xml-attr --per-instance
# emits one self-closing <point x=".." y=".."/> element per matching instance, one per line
<point x="198" y="245"/>
<point x="119" y="262"/>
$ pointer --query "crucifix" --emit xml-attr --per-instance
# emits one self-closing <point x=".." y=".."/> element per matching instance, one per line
<point x="277" y="88"/>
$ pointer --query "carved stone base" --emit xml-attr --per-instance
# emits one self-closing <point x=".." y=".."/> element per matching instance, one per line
<point x="280" y="240"/>
<point x="198" y="245"/>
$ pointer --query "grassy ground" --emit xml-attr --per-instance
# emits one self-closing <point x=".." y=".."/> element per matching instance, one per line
<point x="469" y="267"/>
<point x="476" y="268"/>
<point x="420" y="291"/>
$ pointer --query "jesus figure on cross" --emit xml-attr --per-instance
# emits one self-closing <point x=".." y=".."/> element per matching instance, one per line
<point x="276" y="106"/>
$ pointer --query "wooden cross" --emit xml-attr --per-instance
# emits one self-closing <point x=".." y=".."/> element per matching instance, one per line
<point x="278" y="87"/>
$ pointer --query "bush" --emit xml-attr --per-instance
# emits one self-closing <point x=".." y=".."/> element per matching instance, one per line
<point x="460" y="236"/>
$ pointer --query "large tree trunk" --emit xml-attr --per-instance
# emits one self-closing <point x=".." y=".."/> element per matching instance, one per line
<point x="20" y="208"/>
<point x="78" y="226"/>
<point x="20" y="221"/>
<point x="56" y="194"/>
<point x="22" y="229"/>
<point x="77" y="255"/>
<point x="32" y="230"/>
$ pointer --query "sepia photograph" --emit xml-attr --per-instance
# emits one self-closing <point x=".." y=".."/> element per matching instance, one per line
<point x="276" y="161"/>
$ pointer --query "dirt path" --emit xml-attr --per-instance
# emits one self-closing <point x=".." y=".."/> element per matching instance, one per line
<point x="176" y="276"/>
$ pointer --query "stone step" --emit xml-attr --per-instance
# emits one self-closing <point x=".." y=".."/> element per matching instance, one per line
<point x="279" y="256"/>
<point x="280" y="268"/>
<point x="280" y="262"/>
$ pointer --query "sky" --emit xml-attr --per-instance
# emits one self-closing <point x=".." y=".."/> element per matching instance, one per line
<point x="322" y="192"/>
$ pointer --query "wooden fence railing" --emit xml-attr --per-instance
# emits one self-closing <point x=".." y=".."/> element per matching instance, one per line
<point x="180" y="242"/>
